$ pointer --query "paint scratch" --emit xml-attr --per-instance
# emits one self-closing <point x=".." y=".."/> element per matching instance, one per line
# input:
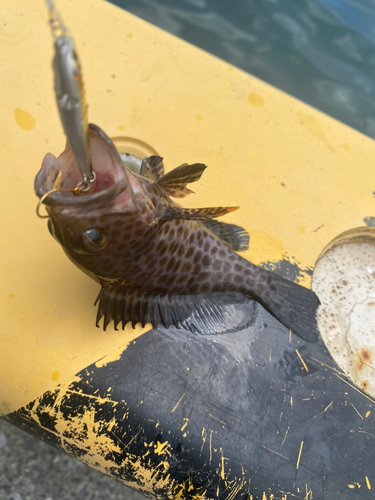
<point x="286" y="433"/>
<point x="325" y="409"/>
<point x="302" y="361"/>
<point x="216" y="419"/>
<point x="299" y="455"/>
<point x="211" y="445"/>
<point x="178" y="402"/>
<point x="357" y="411"/>
<point x="353" y="387"/>
<point x="276" y="453"/>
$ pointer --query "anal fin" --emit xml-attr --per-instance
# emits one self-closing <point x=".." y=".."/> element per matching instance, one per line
<point x="234" y="237"/>
<point x="206" y="314"/>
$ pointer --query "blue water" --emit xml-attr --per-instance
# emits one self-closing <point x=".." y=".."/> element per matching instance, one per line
<point x="320" y="51"/>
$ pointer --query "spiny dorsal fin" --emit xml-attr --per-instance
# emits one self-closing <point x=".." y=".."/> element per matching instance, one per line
<point x="175" y="181"/>
<point x="234" y="237"/>
<point x="152" y="167"/>
<point x="178" y="213"/>
<point x="206" y="314"/>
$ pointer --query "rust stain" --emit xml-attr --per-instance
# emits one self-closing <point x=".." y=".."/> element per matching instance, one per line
<point x="365" y="355"/>
<point x="364" y="384"/>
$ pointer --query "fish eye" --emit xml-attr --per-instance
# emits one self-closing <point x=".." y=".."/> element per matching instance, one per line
<point x="95" y="236"/>
<point x="94" y="240"/>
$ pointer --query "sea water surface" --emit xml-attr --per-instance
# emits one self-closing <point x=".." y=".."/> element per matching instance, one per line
<point x="320" y="51"/>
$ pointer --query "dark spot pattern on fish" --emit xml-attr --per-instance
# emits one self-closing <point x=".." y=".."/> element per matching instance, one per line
<point x="149" y="248"/>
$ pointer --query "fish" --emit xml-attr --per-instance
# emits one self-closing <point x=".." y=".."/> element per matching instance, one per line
<point x="157" y="262"/>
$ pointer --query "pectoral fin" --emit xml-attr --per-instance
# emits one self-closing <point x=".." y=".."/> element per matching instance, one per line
<point x="178" y="213"/>
<point x="152" y="167"/>
<point x="174" y="182"/>
<point x="206" y="314"/>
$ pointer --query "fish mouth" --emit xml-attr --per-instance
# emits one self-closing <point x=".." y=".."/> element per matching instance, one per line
<point x="58" y="177"/>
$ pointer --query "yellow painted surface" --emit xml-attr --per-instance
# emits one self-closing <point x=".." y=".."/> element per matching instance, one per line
<point x="300" y="177"/>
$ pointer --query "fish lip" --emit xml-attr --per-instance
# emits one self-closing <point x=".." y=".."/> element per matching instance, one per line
<point x="47" y="175"/>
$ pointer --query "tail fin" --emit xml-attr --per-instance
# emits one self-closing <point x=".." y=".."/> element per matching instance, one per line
<point x="293" y="305"/>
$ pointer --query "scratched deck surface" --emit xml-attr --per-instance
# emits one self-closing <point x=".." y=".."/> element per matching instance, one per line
<point x="257" y="413"/>
<point x="33" y="470"/>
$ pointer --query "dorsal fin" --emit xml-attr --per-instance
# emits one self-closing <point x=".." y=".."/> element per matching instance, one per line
<point x="206" y="314"/>
<point x="152" y="167"/>
<point x="174" y="182"/>
<point x="178" y="213"/>
<point x="234" y="237"/>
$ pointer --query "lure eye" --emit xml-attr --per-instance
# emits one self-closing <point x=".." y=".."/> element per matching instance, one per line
<point x="94" y="240"/>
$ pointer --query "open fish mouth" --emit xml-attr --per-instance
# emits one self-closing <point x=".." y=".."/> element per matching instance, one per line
<point x="59" y="177"/>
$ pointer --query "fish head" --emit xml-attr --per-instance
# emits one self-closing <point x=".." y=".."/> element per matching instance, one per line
<point x="107" y="227"/>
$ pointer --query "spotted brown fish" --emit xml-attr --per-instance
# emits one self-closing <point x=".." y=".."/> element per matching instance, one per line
<point x="157" y="262"/>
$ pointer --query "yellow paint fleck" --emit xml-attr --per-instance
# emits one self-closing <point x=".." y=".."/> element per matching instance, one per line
<point x="188" y="369"/>
<point x="185" y="424"/>
<point x="351" y="486"/>
<point x="23" y="119"/>
<point x="302" y="361"/>
<point x="121" y="128"/>
<point x="286" y="433"/>
<point x="222" y="473"/>
<point x="129" y="35"/>
<point x="256" y="100"/>
<point x="161" y="448"/>
<point x="291" y="401"/>
<point x="299" y="455"/>
<point x="264" y="497"/>
<point x="368" y="414"/>
<point x="266" y="122"/>
<point x="198" y="117"/>
<point x="346" y="146"/>
<point x="204" y="436"/>
<point x="11" y="295"/>
<point x="56" y="375"/>
<point x="301" y="229"/>
<point x="368" y="483"/>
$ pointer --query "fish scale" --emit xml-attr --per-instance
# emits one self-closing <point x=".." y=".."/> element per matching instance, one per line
<point x="158" y="262"/>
